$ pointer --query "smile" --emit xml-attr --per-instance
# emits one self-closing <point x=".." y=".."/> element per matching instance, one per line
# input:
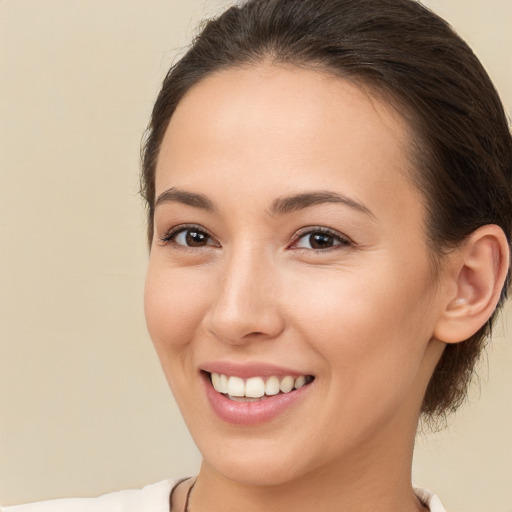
<point x="256" y="388"/>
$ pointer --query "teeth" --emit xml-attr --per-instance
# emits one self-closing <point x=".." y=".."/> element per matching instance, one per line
<point x="223" y="385"/>
<point x="286" y="385"/>
<point x="256" y="387"/>
<point x="236" y="386"/>
<point x="216" y="381"/>
<point x="300" y="381"/>
<point x="272" y="386"/>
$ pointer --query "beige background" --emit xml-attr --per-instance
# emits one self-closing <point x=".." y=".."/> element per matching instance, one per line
<point x="84" y="407"/>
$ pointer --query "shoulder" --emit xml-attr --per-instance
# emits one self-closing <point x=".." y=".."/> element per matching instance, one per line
<point x="429" y="499"/>
<point x="154" y="498"/>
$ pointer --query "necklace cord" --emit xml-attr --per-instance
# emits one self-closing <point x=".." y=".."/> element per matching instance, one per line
<point x="175" y="486"/>
<point x="187" y="500"/>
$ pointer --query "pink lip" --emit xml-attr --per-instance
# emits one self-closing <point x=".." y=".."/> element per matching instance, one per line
<point x="247" y="370"/>
<point x="251" y="413"/>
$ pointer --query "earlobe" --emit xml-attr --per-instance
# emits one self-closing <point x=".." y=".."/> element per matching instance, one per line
<point x="479" y="269"/>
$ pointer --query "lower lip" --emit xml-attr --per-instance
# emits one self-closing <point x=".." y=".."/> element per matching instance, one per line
<point x="252" y="413"/>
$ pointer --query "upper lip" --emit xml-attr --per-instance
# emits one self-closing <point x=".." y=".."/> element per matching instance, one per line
<point x="249" y="369"/>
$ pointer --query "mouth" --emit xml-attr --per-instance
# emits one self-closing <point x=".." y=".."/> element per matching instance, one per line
<point x="256" y="389"/>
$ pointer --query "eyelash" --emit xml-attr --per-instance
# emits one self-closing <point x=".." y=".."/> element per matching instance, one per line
<point x="343" y="241"/>
<point x="170" y="236"/>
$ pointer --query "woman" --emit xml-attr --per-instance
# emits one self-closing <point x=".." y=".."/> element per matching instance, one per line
<point x="329" y="218"/>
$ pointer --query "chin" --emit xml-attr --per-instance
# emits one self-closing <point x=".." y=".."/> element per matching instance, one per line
<point x="256" y="472"/>
<point x="260" y="461"/>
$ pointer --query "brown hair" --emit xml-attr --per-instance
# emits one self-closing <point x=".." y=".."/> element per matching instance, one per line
<point x="398" y="48"/>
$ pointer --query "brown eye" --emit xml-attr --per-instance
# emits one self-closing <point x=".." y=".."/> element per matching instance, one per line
<point x="191" y="237"/>
<point x="195" y="238"/>
<point x="319" y="239"/>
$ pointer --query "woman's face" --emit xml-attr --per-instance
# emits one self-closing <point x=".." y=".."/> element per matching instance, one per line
<point x="289" y="250"/>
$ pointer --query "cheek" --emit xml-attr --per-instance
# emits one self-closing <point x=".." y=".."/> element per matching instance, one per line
<point x="371" y="337"/>
<point x="174" y="306"/>
<point x="374" y="320"/>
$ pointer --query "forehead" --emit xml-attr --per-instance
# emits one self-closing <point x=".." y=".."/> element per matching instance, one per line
<point x="269" y="126"/>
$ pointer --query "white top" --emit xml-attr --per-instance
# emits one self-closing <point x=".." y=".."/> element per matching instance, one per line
<point x="152" y="498"/>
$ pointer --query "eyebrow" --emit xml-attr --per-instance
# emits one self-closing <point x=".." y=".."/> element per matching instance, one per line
<point x="174" y="195"/>
<point x="280" y="206"/>
<point x="296" y="202"/>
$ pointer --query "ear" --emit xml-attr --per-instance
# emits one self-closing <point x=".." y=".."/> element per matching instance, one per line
<point x="477" y="271"/>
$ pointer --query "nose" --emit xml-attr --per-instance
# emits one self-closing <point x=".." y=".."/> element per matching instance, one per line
<point x="246" y="304"/>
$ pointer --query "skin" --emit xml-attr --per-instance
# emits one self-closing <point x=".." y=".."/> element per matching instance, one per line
<point x="360" y="316"/>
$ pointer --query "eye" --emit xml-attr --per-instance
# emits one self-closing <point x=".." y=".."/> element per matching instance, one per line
<point x="189" y="236"/>
<point x="320" y="239"/>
